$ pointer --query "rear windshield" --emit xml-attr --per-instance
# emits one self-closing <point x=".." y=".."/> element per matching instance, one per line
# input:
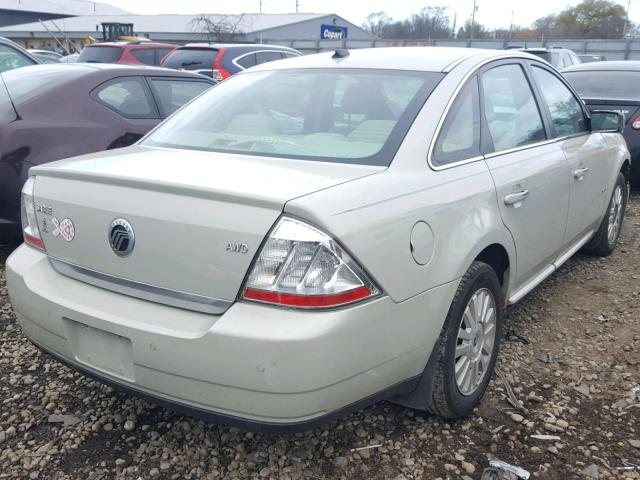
<point x="39" y="80"/>
<point x="100" y="54"/>
<point x="546" y="56"/>
<point x="606" y="85"/>
<point x="339" y="115"/>
<point x="191" y="59"/>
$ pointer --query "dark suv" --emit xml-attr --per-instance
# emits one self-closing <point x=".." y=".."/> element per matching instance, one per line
<point x="219" y="61"/>
<point x="559" y="57"/>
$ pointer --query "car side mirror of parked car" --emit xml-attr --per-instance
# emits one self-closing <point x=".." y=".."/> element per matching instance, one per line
<point x="607" y="121"/>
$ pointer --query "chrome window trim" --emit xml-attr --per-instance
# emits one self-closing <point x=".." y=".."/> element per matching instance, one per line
<point x="144" y="291"/>
<point x="443" y="117"/>
<point x="234" y="61"/>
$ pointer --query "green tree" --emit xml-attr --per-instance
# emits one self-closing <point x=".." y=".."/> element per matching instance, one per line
<point x="479" y="31"/>
<point x="588" y="19"/>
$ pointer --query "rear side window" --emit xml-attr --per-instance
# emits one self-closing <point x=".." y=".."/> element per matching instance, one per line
<point x="460" y="135"/>
<point x="264" y="57"/>
<point x="10" y="58"/>
<point x="127" y="96"/>
<point x="246" y="61"/>
<point x="510" y="108"/>
<point x="161" y="53"/>
<point x="173" y="93"/>
<point x="191" y="59"/>
<point x="100" y="54"/>
<point x="145" y="55"/>
<point x="566" y="113"/>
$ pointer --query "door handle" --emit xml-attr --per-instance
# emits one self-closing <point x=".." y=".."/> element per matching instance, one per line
<point x="514" y="198"/>
<point x="579" y="173"/>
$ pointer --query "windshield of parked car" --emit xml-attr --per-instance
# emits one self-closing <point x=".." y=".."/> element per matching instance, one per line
<point x="340" y="115"/>
<point x="100" y="54"/>
<point x="608" y="85"/>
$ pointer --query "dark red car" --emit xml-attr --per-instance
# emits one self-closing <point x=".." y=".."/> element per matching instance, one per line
<point x="130" y="53"/>
<point x="55" y="111"/>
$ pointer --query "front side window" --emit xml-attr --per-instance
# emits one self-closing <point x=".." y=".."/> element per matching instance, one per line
<point x="339" y="115"/>
<point x="567" y="116"/>
<point x="460" y="136"/>
<point x="10" y="59"/>
<point x="127" y="96"/>
<point x="510" y="108"/>
<point x="173" y="93"/>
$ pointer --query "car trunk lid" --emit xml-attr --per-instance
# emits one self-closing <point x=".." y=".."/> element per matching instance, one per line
<point x="198" y="218"/>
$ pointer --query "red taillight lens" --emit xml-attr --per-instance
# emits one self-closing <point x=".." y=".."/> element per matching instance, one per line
<point x="636" y="124"/>
<point x="308" y="301"/>
<point x="217" y="64"/>
<point x="30" y="229"/>
<point x="301" y="266"/>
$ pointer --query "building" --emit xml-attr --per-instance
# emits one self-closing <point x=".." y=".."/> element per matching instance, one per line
<point x="310" y="31"/>
<point x="14" y="12"/>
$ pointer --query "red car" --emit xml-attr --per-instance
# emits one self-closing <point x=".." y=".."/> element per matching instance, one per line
<point x="130" y="53"/>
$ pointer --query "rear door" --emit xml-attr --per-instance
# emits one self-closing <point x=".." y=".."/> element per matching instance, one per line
<point x="586" y="153"/>
<point x="530" y="172"/>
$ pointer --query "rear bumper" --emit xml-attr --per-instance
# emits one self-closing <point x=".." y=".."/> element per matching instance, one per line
<point x="254" y="366"/>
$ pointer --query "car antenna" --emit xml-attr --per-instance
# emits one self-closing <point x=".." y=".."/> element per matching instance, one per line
<point x="340" y="53"/>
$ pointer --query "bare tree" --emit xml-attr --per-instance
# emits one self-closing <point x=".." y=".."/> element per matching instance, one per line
<point x="219" y="28"/>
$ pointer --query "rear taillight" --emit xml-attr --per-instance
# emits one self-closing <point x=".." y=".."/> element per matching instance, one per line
<point x="30" y="230"/>
<point x="636" y="124"/>
<point x="217" y="66"/>
<point x="300" y="266"/>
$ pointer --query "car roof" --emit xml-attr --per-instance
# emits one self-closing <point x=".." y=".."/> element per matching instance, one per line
<point x="236" y="45"/>
<point x="543" y="49"/>
<point x="76" y="70"/>
<point x="611" y="65"/>
<point x="128" y="44"/>
<point x="427" y="59"/>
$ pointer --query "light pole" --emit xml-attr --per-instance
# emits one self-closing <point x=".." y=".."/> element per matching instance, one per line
<point x="626" y="20"/>
<point x="473" y="20"/>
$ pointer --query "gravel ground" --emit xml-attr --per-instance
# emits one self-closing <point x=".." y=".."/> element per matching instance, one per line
<point x="571" y="355"/>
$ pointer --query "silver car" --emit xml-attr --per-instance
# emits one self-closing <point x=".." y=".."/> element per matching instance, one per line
<point x="320" y="233"/>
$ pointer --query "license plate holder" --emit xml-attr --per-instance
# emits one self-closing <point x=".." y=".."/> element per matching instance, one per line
<point x="102" y="350"/>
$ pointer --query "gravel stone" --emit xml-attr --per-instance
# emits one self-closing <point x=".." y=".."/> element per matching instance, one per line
<point x="584" y="319"/>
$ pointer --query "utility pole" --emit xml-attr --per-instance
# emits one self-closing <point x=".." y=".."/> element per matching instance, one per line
<point x="473" y="20"/>
<point x="297" y="5"/>
<point x="260" y="6"/>
<point x="626" y="20"/>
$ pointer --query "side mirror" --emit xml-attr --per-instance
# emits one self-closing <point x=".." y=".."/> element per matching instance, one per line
<point x="607" y="121"/>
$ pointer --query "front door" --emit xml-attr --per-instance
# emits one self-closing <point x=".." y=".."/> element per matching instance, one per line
<point x="530" y="172"/>
<point x="586" y="153"/>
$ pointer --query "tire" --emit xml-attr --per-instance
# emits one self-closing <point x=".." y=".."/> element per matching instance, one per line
<point x="604" y="241"/>
<point x="450" y="396"/>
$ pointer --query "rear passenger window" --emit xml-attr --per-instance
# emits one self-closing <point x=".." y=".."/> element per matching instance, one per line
<point x="566" y="113"/>
<point x="264" y="57"/>
<point x="145" y="55"/>
<point x="171" y="94"/>
<point x="460" y="135"/>
<point x="247" y="61"/>
<point x="510" y="108"/>
<point x="161" y="53"/>
<point x="127" y="96"/>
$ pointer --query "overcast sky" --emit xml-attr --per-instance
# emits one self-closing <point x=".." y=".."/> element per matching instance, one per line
<point x="492" y="13"/>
